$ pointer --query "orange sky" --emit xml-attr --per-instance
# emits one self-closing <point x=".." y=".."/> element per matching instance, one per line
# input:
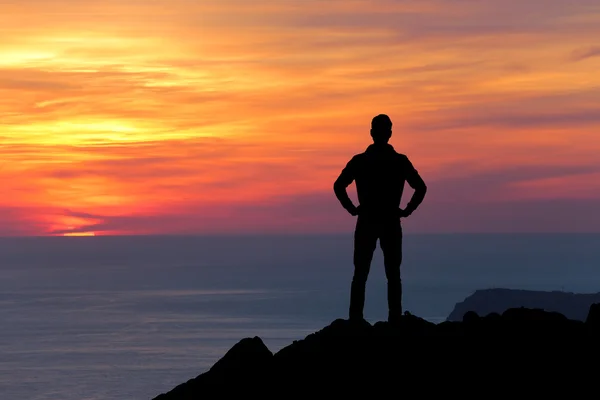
<point x="184" y="116"/>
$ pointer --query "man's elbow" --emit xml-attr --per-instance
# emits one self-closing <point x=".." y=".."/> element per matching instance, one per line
<point x="338" y="186"/>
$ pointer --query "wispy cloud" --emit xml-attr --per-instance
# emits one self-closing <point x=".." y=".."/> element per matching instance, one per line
<point x="589" y="52"/>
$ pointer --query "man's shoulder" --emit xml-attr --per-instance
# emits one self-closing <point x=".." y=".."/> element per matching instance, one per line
<point x="354" y="162"/>
<point x="401" y="157"/>
<point x="357" y="157"/>
<point x="397" y="155"/>
<point x="364" y="156"/>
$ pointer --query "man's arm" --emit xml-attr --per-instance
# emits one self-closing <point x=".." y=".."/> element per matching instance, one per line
<point x="416" y="182"/>
<point x="339" y="187"/>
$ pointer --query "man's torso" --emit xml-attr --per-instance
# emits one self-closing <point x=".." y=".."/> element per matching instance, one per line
<point x="380" y="175"/>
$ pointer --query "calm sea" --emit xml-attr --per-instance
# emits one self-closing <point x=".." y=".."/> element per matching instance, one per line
<point x="98" y="318"/>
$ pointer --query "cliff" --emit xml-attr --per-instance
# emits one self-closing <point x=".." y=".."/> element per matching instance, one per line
<point x="572" y="305"/>
<point x="525" y="350"/>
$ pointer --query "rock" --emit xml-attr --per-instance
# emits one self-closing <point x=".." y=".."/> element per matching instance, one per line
<point x="483" y="302"/>
<point x="501" y="351"/>
<point x="245" y="365"/>
<point x="593" y="318"/>
<point x="470" y="317"/>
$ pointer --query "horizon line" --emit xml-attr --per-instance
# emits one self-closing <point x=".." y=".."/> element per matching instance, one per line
<point x="246" y="234"/>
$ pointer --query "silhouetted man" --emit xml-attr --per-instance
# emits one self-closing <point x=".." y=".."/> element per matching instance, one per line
<point x="380" y="173"/>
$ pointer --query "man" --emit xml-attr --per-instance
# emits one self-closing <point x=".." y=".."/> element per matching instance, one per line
<point x="380" y="173"/>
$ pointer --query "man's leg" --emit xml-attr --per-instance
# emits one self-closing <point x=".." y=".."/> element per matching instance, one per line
<point x="391" y="245"/>
<point x="365" y="242"/>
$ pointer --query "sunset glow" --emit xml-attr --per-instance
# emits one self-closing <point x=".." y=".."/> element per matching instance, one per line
<point x="80" y="234"/>
<point x="182" y="116"/>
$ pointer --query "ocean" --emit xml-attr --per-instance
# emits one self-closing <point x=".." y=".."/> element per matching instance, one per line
<point x="98" y="318"/>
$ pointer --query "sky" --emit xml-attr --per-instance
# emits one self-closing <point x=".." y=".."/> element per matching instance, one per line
<point x="236" y="116"/>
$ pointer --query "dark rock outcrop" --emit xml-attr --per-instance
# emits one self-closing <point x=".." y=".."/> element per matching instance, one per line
<point x="243" y="366"/>
<point x="529" y="350"/>
<point x="572" y="305"/>
<point x="593" y="318"/>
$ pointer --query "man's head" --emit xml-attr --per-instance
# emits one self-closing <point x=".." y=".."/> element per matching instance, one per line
<point x="381" y="129"/>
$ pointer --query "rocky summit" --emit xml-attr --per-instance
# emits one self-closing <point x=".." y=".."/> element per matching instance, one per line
<point x="524" y="352"/>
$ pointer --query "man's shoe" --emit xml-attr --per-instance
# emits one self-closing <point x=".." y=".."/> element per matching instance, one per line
<point x="395" y="317"/>
<point x="358" y="324"/>
<point x="355" y="319"/>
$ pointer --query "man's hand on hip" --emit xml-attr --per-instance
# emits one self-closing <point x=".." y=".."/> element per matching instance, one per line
<point x="403" y="213"/>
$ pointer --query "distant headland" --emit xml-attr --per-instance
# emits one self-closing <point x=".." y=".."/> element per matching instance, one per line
<point x="483" y="302"/>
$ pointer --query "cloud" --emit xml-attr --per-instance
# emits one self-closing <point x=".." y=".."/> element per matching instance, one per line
<point x="571" y="110"/>
<point x="320" y="212"/>
<point x="518" y="119"/>
<point x="19" y="221"/>
<point x="288" y="214"/>
<point x="585" y="53"/>
<point x="539" y="216"/>
<point x="502" y="184"/>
